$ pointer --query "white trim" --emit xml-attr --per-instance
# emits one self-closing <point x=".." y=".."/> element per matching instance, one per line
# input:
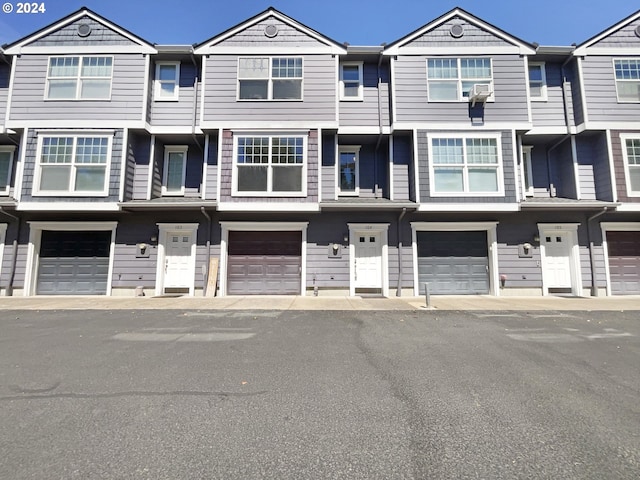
<point x="514" y="158"/>
<point x="363" y="130"/>
<point x="60" y="205"/>
<point x="299" y="206"/>
<point x="525" y="62"/>
<point x="613" y="126"/>
<point x="164" y="230"/>
<point x="9" y="97"/>
<point x="616" y="80"/>
<point x="205" y="167"/>
<point x="270" y="79"/>
<point x="79" y="80"/>
<point x="203" y="92"/>
<point x="227" y="226"/>
<point x="583" y="94"/>
<point x="613" y="227"/>
<point x="348" y="149"/>
<point x="383" y="230"/>
<point x="73" y="124"/>
<point x="467" y="50"/>
<point x="79" y="49"/>
<point x="571" y="229"/>
<point x="168" y="149"/>
<point x="606" y="51"/>
<point x="546" y="130"/>
<point x="543" y="97"/>
<point x="22" y="155"/>
<point x="319" y="165"/>
<point x="152" y="164"/>
<point x="3" y="238"/>
<point x="219" y="166"/>
<point x="147" y="79"/>
<point x="499" y="168"/>
<point x="464" y="127"/>
<point x="391" y="168"/>
<point x="123" y="163"/>
<point x="585" y="47"/>
<point x="394" y="113"/>
<point x="612" y="171"/>
<point x="415" y="161"/>
<point x="492" y="246"/>
<point x="360" y="96"/>
<point x="35" y="237"/>
<point x="460" y="80"/>
<point x="335" y="177"/>
<point x="276" y="50"/>
<point x="527" y="163"/>
<point x="10" y="149"/>
<point x="172" y="129"/>
<point x="576" y="169"/>
<point x="468" y="207"/>
<point x="625" y="159"/>
<point x="263" y="125"/>
<point x="157" y="82"/>
<point x="628" y="207"/>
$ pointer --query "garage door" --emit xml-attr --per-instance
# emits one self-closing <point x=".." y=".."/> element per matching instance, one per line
<point x="624" y="262"/>
<point x="454" y="263"/>
<point x="264" y="263"/>
<point x="73" y="263"/>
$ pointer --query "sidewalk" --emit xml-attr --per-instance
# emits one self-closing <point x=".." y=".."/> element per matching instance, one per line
<point x="444" y="302"/>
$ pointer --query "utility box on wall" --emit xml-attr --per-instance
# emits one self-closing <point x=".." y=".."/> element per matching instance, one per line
<point x="335" y="250"/>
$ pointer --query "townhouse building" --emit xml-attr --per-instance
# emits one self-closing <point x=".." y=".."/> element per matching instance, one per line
<point x="271" y="159"/>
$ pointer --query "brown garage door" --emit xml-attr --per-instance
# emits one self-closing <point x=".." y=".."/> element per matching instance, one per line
<point x="264" y="263"/>
<point x="624" y="262"/>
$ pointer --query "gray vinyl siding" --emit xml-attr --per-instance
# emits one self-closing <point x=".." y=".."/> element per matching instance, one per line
<point x="562" y="171"/>
<point x="509" y="175"/>
<point x="328" y="167"/>
<point x="140" y="160"/>
<point x="211" y="182"/>
<point x="412" y="105"/>
<point x="254" y="36"/>
<point x="550" y="112"/>
<point x="183" y="111"/>
<point x="193" y="172"/>
<point x="319" y="93"/>
<point x="600" y="91"/>
<point x="593" y="167"/>
<point x="520" y="272"/>
<point x="624" y="37"/>
<point x="5" y="73"/>
<point x="474" y="36"/>
<point x="575" y="96"/>
<point x="227" y="167"/>
<point x="601" y="167"/>
<point x="127" y="94"/>
<point x="373" y="110"/>
<point x="373" y="164"/>
<point x="403" y="178"/>
<point x="68" y="36"/>
<point x="30" y="167"/>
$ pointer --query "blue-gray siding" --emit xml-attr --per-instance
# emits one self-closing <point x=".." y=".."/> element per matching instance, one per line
<point x="328" y="166"/>
<point x="254" y="35"/>
<point x="68" y="36"/>
<point x="403" y="173"/>
<point x="140" y="161"/>
<point x="562" y="171"/>
<point x="211" y="182"/>
<point x="373" y="110"/>
<point x="473" y="36"/>
<point x="551" y="112"/>
<point x="184" y="111"/>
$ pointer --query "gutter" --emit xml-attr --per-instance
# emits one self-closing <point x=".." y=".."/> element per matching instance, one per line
<point x="14" y="258"/>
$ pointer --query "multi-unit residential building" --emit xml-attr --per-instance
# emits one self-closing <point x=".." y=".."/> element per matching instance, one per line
<point x="271" y="159"/>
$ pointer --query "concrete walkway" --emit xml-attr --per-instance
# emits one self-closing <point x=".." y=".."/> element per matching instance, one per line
<point x="458" y="302"/>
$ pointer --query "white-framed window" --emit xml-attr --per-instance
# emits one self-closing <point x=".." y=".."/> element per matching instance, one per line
<point x="537" y="81"/>
<point x="73" y="165"/>
<point x="6" y="165"/>
<point x="266" y="165"/>
<point x="351" y="83"/>
<point x="631" y="156"/>
<point x="167" y="81"/>
<point x="348" y="170"/>
<point x="270" y="78"/>
<point x="451" y="79"/>
<point x="175" y="168"/>
<point x="527" y="170"/>
<point x="627" y="72"/>
<point x="79" y="78"/>
<point x="461" y="165"/>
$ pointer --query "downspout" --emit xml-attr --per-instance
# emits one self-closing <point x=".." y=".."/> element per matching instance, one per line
<point x="195" y="105"/>
<point x="594" y="285"/>
<point x="206" y="275"/>
<point x="399" y="287"/>
<point x="14" y="259"/>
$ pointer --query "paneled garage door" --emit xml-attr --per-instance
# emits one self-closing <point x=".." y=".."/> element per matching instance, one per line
<point x="624" y="262"/>
<point x="454" y="263"/>
<point x="73" y="263"/>
<point x="264" y="263"/>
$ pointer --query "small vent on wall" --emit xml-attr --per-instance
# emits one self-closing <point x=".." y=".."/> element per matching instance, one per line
<point x="637" y="30"/>
<point x="271" y="31"/>
<point x="84" y="30"/>
<point x="456" y="30"/>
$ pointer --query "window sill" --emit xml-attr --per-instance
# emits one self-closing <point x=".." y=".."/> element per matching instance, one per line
<point x="269" y="194"/>
<point x="77" y="99"/>
<point x="261" y="100"/>
<point x="61" y="194"/>
<point x="166" y="99"/>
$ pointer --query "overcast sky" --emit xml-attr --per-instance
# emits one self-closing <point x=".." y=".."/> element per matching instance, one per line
<point x="359" y="22"/>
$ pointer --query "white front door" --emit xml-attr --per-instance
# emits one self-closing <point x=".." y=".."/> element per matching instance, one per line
<point x="557" y="252"/>
<point x="178" y="270"/>
<point x="368" y="259"/>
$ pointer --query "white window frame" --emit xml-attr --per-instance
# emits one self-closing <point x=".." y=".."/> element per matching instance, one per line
<point x="463" y="136"/>
<point x="627" y="167"/>
<point x="78" y="78"/>
<point x="270" y="80"/>
<point x="157" y="93"/>
<point x="360" y="95"/>
<point x="527" y="170"/>
<point x="183" y="149"/>
<point x="10" y="150"/>
<point x="459" y="79"/>
<point x="617" y="80"/>
<point x="269" y="191"/>
<point x="543" y="87"/>
<point x="71" y="193"/>
<point x="349" y="149"/>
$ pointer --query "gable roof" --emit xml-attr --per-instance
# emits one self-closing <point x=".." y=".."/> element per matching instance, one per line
<point x="23" y="45"/>
<point x="587" y="45"/>
<point x="329" y="44"/>
<point x="518" y="45"/>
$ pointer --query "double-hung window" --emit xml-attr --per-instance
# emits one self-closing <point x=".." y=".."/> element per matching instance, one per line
<point x="627" y="72"/>
<point x="351" y="87"/>
<point x="6" y="162"/>
<point x="451" y="79"/>
<point x="167" y="81"/>
<point x="349" y="170"/>
<point x="79" y="78"/>
<point x="537" y="82"/>
<point x="270" y="165"/>
<point x="175" y="168"/>
<point x="270" y="78"/>
<point x="631" y="155"/>
<point x="73" y="165"/>
<point x="465" y="165"/>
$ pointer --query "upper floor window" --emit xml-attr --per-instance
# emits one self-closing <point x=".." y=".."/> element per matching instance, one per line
<point x="537" y="81"/>
<point x="631" y="154"/>
<point x="465" y="165"/>
<point x="6" y="162"/>
<point x="627" y="79"/>
<point x="175" y="167"/>
<point x="266" y="165"/>
<point x="349" y="175"/>
<point x="451" y="79"/>
<point x="167" y="81"/>
<point x="270" y="78"/>
<point x="73" y="165"/>
<point x="79" y="78"/>
<point x="351" y="87"/>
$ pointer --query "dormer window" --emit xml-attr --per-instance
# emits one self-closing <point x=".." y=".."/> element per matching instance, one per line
<point x="79" y="78"/>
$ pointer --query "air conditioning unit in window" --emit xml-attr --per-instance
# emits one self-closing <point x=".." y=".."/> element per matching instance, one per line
<point x="479" y="93"/>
